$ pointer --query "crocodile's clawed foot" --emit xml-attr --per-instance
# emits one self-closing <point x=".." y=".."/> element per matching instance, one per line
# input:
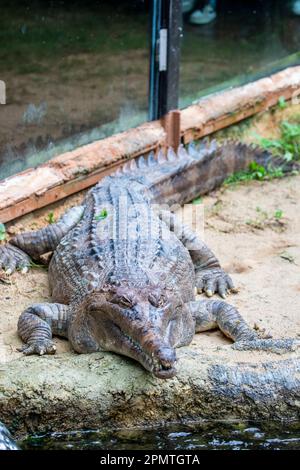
<point x="12" y="259"/>
<point x="277" y="346"/>
<point x="214" y="280"/>
<point x="40" y="348"/>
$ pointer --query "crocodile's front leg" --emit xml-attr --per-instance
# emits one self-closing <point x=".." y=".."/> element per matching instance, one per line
<point x="37" y="324"/>
<point x="14" y="255"/>
<point x="211" y="314"/>
<point x="210" y="277"/>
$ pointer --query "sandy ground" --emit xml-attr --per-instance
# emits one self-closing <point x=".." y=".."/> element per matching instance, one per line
<point x="259" y="250"/>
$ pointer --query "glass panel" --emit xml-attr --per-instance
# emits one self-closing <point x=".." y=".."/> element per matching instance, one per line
<point x="228" y="43"/>
<point x="74" y="72"/>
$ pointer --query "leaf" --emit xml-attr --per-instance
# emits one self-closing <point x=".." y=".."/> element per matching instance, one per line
<point x="50" y="218"/>
<point x="103" y="214"/>
<point x="198" y="200"/>
<point x="38" y="265"/>
<point x="281" y="102"/>
<point x="288" y="156"/>
<point x="278" y="214"/>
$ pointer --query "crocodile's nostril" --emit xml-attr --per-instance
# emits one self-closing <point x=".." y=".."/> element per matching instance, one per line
<point x="166" y="356"/>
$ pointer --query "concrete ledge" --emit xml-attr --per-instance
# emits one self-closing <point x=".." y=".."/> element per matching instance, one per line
<point x="73" y="171"/>
<point x="103" y="390"/>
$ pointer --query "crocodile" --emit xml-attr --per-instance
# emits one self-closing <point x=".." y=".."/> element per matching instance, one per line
<point x="125" y="271"/>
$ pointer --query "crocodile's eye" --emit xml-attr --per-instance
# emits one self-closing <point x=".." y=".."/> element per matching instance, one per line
<point x="122" y="300"/>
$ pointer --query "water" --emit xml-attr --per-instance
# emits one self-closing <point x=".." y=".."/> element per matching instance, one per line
<point x="196" y="436"/>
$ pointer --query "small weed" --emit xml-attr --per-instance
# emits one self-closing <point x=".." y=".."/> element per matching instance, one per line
<point x="278" y="214"/>
<point x="264" y="220"/>
<point x="38" y="265"/>
<point x="103" y="214"/>
<point x="254" y="172"/>
<point x="197" y="201"/>
<point x="50" y="218"/>
<point x="288" y="145"/>
<point x="2" y="232"/>
<point x="281" y="103"/>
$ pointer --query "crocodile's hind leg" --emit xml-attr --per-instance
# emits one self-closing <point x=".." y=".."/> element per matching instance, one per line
<point x="211" y="314"/>
<point x="37" y="324"/>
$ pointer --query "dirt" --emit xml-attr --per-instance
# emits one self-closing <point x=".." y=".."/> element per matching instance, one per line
<point x="254" y="230"/>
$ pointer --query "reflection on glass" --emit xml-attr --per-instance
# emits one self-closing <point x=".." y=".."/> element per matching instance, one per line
<point x="227" y="43"/>
<point x="74" y="72"/>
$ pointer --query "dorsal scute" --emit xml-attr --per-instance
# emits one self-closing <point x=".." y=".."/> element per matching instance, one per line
<point x="166" y="158"/>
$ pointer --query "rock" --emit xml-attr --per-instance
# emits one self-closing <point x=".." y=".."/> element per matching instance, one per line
<point x="69" y="392"/>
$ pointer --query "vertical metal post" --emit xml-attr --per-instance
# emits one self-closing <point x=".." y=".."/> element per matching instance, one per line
<point x="165" y="57"/>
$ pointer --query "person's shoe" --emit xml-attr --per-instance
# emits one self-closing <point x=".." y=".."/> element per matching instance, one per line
<point x="187" y="5"/>
<point x="295" y="7"/>
<point x="205" y="16"/>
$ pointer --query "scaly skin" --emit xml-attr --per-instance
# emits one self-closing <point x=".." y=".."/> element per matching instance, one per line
<point x="126" y="282"/>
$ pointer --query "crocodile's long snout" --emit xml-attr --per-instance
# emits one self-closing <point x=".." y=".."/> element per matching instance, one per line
<point x="164" y="367"/>
<point x="140" y="334"/>
<point x="162" y="356"/>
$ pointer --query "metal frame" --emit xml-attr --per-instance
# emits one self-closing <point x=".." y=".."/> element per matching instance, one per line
<point x="166" y="33"/>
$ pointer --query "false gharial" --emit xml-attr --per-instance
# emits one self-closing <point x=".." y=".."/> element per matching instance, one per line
<point x="125" y="271"/>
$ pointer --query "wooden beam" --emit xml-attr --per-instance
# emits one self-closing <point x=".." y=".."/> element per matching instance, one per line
<point x="83" y="167"/>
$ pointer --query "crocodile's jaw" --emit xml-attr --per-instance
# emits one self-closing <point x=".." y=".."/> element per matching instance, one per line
<point x="160" y="361"/>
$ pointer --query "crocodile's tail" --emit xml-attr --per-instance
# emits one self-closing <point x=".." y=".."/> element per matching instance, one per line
<point x="179" y="178"/>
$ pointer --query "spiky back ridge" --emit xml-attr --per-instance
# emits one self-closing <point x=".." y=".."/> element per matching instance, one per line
<point x="200" y="151"/>
<point x="179" y="177"/>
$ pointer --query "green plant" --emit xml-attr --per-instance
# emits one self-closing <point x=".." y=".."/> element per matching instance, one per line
<point x="288" y="145"/>
<point x="281" y="103"/>
<point x="264" y="220"/>
<point x="50" y="218"/>
<point x="2" y="232"/>
<point x="103" y="214"/>
<point x="197" y="201"/>
<point x="254" y="172"/>
<point x="278" y="214"/>
<point x="38" y="265"/>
